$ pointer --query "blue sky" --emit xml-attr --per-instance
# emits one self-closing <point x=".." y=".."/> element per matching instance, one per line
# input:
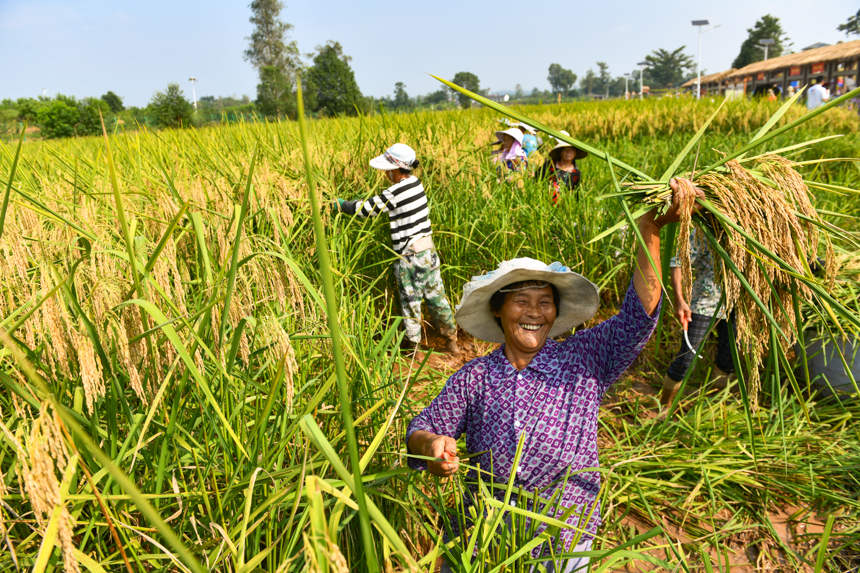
<point x="86" y="47"/>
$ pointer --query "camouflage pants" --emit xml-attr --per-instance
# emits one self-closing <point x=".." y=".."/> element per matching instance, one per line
<point x="419" y="280"/>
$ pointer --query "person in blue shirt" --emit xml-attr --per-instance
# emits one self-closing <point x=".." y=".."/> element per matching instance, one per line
<point x="531" y="141"/>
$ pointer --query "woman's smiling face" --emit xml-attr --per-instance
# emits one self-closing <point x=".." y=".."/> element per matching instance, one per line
<point x="527" y="316"/>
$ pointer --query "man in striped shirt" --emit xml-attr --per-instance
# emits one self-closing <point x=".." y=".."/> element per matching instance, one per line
<point x="417" y="266"/>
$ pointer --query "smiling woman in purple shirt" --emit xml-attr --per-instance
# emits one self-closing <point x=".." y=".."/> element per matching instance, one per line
<point x="532" y="384"/>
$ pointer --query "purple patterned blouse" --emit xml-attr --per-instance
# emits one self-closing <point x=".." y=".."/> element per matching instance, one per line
<point x="555" y="400"/>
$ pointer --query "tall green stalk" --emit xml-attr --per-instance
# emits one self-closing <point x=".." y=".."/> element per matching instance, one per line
<point x="11" y="178"/>
<point x="120" y="210"/>
<point x="334" y="329"/>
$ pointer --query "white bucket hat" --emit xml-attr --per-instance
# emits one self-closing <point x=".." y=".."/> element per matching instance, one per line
<point x="398" y="156"/>
<point x="578" y="297"/>
<point x="513" y="132"/>
<point x="580" y="153"/>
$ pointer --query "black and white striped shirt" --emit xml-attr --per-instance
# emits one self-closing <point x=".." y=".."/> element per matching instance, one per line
<point x="408" y="212"/>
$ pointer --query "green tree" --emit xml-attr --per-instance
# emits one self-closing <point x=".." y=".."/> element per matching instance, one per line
<point x="113" y="101"/>
<point x="667" y="69"/>
<point x="767" y="27"/>
<point x="401" y="98"/>
<point x="603" y="78"/>
<point x="90" y="114"/>
<point x="170" y="108"/>
<point x="28" y="108"/>
<point x="136" y="116"/>
<point x="440" y="96"/>
<point x="332" y="84"/>
<point x="275" y="95"/>
<point x="58" y="118"/>
<point x="268" y="45"/>
<point x="469" y="81"/>
<point x="851" y="27"/>
<point x="277" y="61"/>
<point x="589" y="82"/>
<point x="561" y="80"/>
<point x="616" y="87"/>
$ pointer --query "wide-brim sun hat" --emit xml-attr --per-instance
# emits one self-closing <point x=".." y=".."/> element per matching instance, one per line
<point x="578" y="297"/>
<point x="513" y="132"/>
<point x="398" y="156"/>
<point x="553" y="153"/>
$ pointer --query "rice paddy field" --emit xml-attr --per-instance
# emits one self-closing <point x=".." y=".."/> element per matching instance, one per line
<point x="172" y="398"/>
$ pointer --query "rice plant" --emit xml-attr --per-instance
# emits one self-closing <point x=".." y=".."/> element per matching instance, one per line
<point x="172" y="398"/>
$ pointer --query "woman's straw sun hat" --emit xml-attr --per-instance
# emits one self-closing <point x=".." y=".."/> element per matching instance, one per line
<point x="580" y="153"/>
<point x="513" y="132"/>
<point x="578" y="297"/>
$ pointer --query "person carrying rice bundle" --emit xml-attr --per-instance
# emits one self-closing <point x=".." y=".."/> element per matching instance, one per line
<point x="695" y="317"/>
<point x="533" y="385"/>
<point x="417" y="265"/>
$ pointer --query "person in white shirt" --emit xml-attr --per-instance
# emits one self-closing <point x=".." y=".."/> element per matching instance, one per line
<point x="816" y="95"/>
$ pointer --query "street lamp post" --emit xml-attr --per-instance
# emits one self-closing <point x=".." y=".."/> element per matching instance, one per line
<point x="699" y="24"/>
<point x="626" y="91"/>
<point x="641" y="70"/>
<point x="193" y="81"/>
<point x="765" y="43"/>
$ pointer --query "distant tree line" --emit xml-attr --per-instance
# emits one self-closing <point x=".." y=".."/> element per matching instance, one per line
<point x="330" y="89"/>
<point x="66" y="116"/>
<point x="663" y="69"/>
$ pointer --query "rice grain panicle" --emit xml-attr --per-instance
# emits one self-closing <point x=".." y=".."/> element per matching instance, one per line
<point x="767" y="202"/>
<point x="687" y="201"/>
<point x="43" y="460"/>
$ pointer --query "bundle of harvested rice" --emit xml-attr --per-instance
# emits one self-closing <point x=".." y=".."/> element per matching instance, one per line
<point x="770" y="203"/>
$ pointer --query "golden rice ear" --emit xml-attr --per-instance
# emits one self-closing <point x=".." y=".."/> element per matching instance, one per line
<point x="686" y="195"/>
<point x="43" y="459"/>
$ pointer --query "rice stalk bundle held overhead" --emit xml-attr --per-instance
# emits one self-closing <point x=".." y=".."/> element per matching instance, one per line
<point x="758" y="221"/>
<point x="776" y="209"/>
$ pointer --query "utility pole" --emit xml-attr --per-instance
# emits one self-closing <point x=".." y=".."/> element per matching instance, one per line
<point x="641" y="71"/>
<point x="699" y="24"/>
<point x="193" y="81"/>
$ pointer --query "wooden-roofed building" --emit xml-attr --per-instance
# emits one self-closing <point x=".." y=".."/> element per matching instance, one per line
<point x="837" y="65"/>
<point x="711" y="84"/>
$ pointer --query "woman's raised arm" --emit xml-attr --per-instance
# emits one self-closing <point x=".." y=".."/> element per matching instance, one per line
<point x="646" y="278"/>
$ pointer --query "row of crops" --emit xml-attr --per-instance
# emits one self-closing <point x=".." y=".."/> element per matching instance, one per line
<point x="170" y="399"/>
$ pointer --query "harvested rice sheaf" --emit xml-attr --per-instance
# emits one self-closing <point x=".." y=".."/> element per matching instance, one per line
<point x="772" y="204"/>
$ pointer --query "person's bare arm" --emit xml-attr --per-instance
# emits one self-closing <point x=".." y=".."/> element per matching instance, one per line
<point x="682" y="307"/>
<point x="646" y="278"/>
<point x="442" y="448"/>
